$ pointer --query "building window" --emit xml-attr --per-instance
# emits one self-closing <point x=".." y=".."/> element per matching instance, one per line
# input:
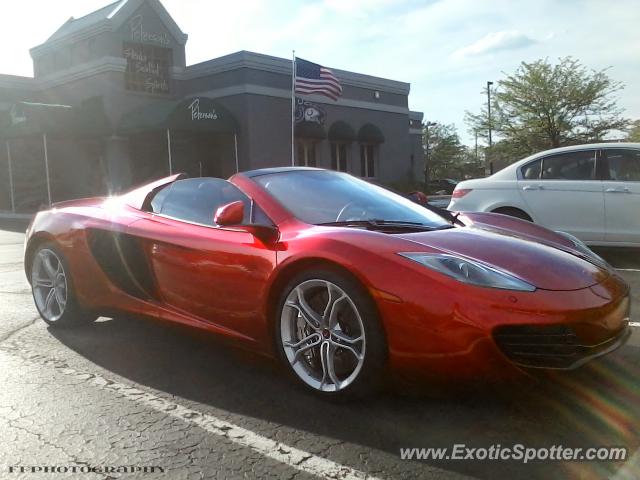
<point x="339" y="157"/>
<point x="305" y="153"/>
<point x="367" y="160"/>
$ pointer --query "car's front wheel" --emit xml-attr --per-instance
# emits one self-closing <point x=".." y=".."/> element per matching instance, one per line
<point x="329" y="334"/>
<point x="52" y="289"/>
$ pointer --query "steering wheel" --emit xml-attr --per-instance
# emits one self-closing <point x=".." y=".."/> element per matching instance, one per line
<point x="341" y="216"/>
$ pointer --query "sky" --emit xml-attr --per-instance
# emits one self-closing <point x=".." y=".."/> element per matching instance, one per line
<point x="446" y="49"/>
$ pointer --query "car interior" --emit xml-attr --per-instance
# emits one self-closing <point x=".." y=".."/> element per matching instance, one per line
<point x="624" y="165"/>
<point x="196" y="200"/>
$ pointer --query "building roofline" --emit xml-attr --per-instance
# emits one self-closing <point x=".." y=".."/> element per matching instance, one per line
<point x="123" y="11"/>
<point x="269" y="63"/>
<point x="112" y="20"/>
<point x="17" y="81"/>
<point x="415" y="115"/>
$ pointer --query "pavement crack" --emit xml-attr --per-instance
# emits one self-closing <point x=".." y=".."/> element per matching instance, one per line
<point x="16" y="330"/>
<point x="12" y="423"/>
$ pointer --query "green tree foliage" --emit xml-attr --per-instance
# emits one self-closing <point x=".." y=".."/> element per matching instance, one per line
<point x="446" y="156"/>
<point x="543" y="106"/>
<point x="634" y="132"/>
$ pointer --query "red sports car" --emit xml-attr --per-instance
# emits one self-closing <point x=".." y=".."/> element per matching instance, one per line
<point x="340" y="279"/>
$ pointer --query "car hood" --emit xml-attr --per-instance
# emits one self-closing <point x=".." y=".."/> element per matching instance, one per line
<point x="536" y="261"/>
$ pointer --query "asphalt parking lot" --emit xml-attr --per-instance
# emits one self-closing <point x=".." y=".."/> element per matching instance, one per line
<point x="130" y="392"/>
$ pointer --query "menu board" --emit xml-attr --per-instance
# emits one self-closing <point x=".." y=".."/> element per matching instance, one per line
<point x="148" y="68"/>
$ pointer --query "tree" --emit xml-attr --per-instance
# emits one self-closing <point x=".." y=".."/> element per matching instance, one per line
<point x="634" y="132"/>
<point x="544" y="106"/>
<point x="444" y="151"/>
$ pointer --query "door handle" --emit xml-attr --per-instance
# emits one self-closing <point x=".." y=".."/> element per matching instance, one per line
<point x="531" y="187"/>
<point x="618" y="190"/>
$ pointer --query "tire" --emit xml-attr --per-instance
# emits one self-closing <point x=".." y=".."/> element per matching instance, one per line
<point x="336" y="352"/>
<point x="513" y="212"/>
<point x="52" y="289"/>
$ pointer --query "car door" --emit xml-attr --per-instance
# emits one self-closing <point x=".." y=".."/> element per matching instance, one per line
<point x="218" y="275"/>
<point x="568" y="193"/>
<point x="622" y="195"/>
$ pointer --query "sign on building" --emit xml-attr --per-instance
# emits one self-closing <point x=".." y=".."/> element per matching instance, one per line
<point x="148" y="68"/>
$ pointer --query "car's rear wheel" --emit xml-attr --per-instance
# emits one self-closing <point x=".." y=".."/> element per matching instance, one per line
<point x="329" y="335"/>
<point x="52" y="289"/>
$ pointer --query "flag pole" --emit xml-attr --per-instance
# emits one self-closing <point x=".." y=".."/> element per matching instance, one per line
<point x="293" y="107"/>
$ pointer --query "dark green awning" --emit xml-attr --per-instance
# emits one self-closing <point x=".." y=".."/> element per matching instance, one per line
<point x="369" y="133"/>
<point x="29" y="118"/>
<point x="310" y="130"/>
<point x="193" y="114"/>
<point x="342" y="131"/>
<point x="26" y="118"/>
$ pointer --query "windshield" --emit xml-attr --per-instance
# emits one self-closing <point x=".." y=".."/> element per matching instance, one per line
<point x="324" y="197"/>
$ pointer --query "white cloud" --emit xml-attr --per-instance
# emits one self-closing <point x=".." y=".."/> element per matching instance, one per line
<point x="495" y="42"/>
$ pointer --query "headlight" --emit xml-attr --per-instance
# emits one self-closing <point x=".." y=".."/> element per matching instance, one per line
<point x="468" y="271"/>
<point x="586" y="251"/>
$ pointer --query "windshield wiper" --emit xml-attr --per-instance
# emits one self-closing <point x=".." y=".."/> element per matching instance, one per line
<point x="376" y="223"/>
<point x="443" y="212"/>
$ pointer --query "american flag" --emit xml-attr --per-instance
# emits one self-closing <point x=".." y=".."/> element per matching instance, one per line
<point x="314" y="78"/>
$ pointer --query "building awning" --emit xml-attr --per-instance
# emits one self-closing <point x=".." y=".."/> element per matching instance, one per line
<point x="342" y="131"/>
<point x="311" y="130"/>
<point x="369" y="133"/>
<point x="28" y="118"/>
<point x="200" y="114"/>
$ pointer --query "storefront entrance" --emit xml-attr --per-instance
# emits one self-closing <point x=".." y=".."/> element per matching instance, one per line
<point x="196" y="136"/>
<point x="197" y="154"/>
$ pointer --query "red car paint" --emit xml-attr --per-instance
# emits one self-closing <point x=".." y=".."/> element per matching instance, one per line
<point x="227" y="281"/>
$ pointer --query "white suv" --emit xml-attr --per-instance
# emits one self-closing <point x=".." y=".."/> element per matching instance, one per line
<point x="590" y="191"/>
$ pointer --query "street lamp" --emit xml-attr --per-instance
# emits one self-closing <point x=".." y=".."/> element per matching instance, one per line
<point x="489" y="124"/>
<point x="475" y="133"/>
<point x="426" y="163"/>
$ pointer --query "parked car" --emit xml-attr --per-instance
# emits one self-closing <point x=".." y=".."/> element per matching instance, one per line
<point x="589" y="191"/>
<point x="435" y="201"/>
<point x="444" y="186"/>
<point x="340" y="279"/>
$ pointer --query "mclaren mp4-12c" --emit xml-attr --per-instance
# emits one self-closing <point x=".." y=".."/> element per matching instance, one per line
<point x="339" y="279"/>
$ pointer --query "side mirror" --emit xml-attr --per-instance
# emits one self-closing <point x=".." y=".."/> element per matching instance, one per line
<point x="229" y="214"/>
<point x="232" y="215"/>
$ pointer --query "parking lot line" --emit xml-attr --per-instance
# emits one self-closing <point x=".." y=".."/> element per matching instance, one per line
<point x="634" y="324"/>
<point x="280" y="452"/>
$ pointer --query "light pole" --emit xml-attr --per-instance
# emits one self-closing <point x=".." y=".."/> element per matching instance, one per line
<point x="475" y="132"/>
<point x="426" y="163"/>
<point x="489" y="124"/>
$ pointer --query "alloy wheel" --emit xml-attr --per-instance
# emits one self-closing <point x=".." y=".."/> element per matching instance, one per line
<point x="323" y="335"/>
<point x="49" y="284"/>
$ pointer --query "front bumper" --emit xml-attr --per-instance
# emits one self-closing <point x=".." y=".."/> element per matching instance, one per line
<point x="557" y="347"/>
<point x="469" y="333"/>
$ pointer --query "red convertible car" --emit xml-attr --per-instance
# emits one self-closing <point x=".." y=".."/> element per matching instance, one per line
<point x="341" y="279"/>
